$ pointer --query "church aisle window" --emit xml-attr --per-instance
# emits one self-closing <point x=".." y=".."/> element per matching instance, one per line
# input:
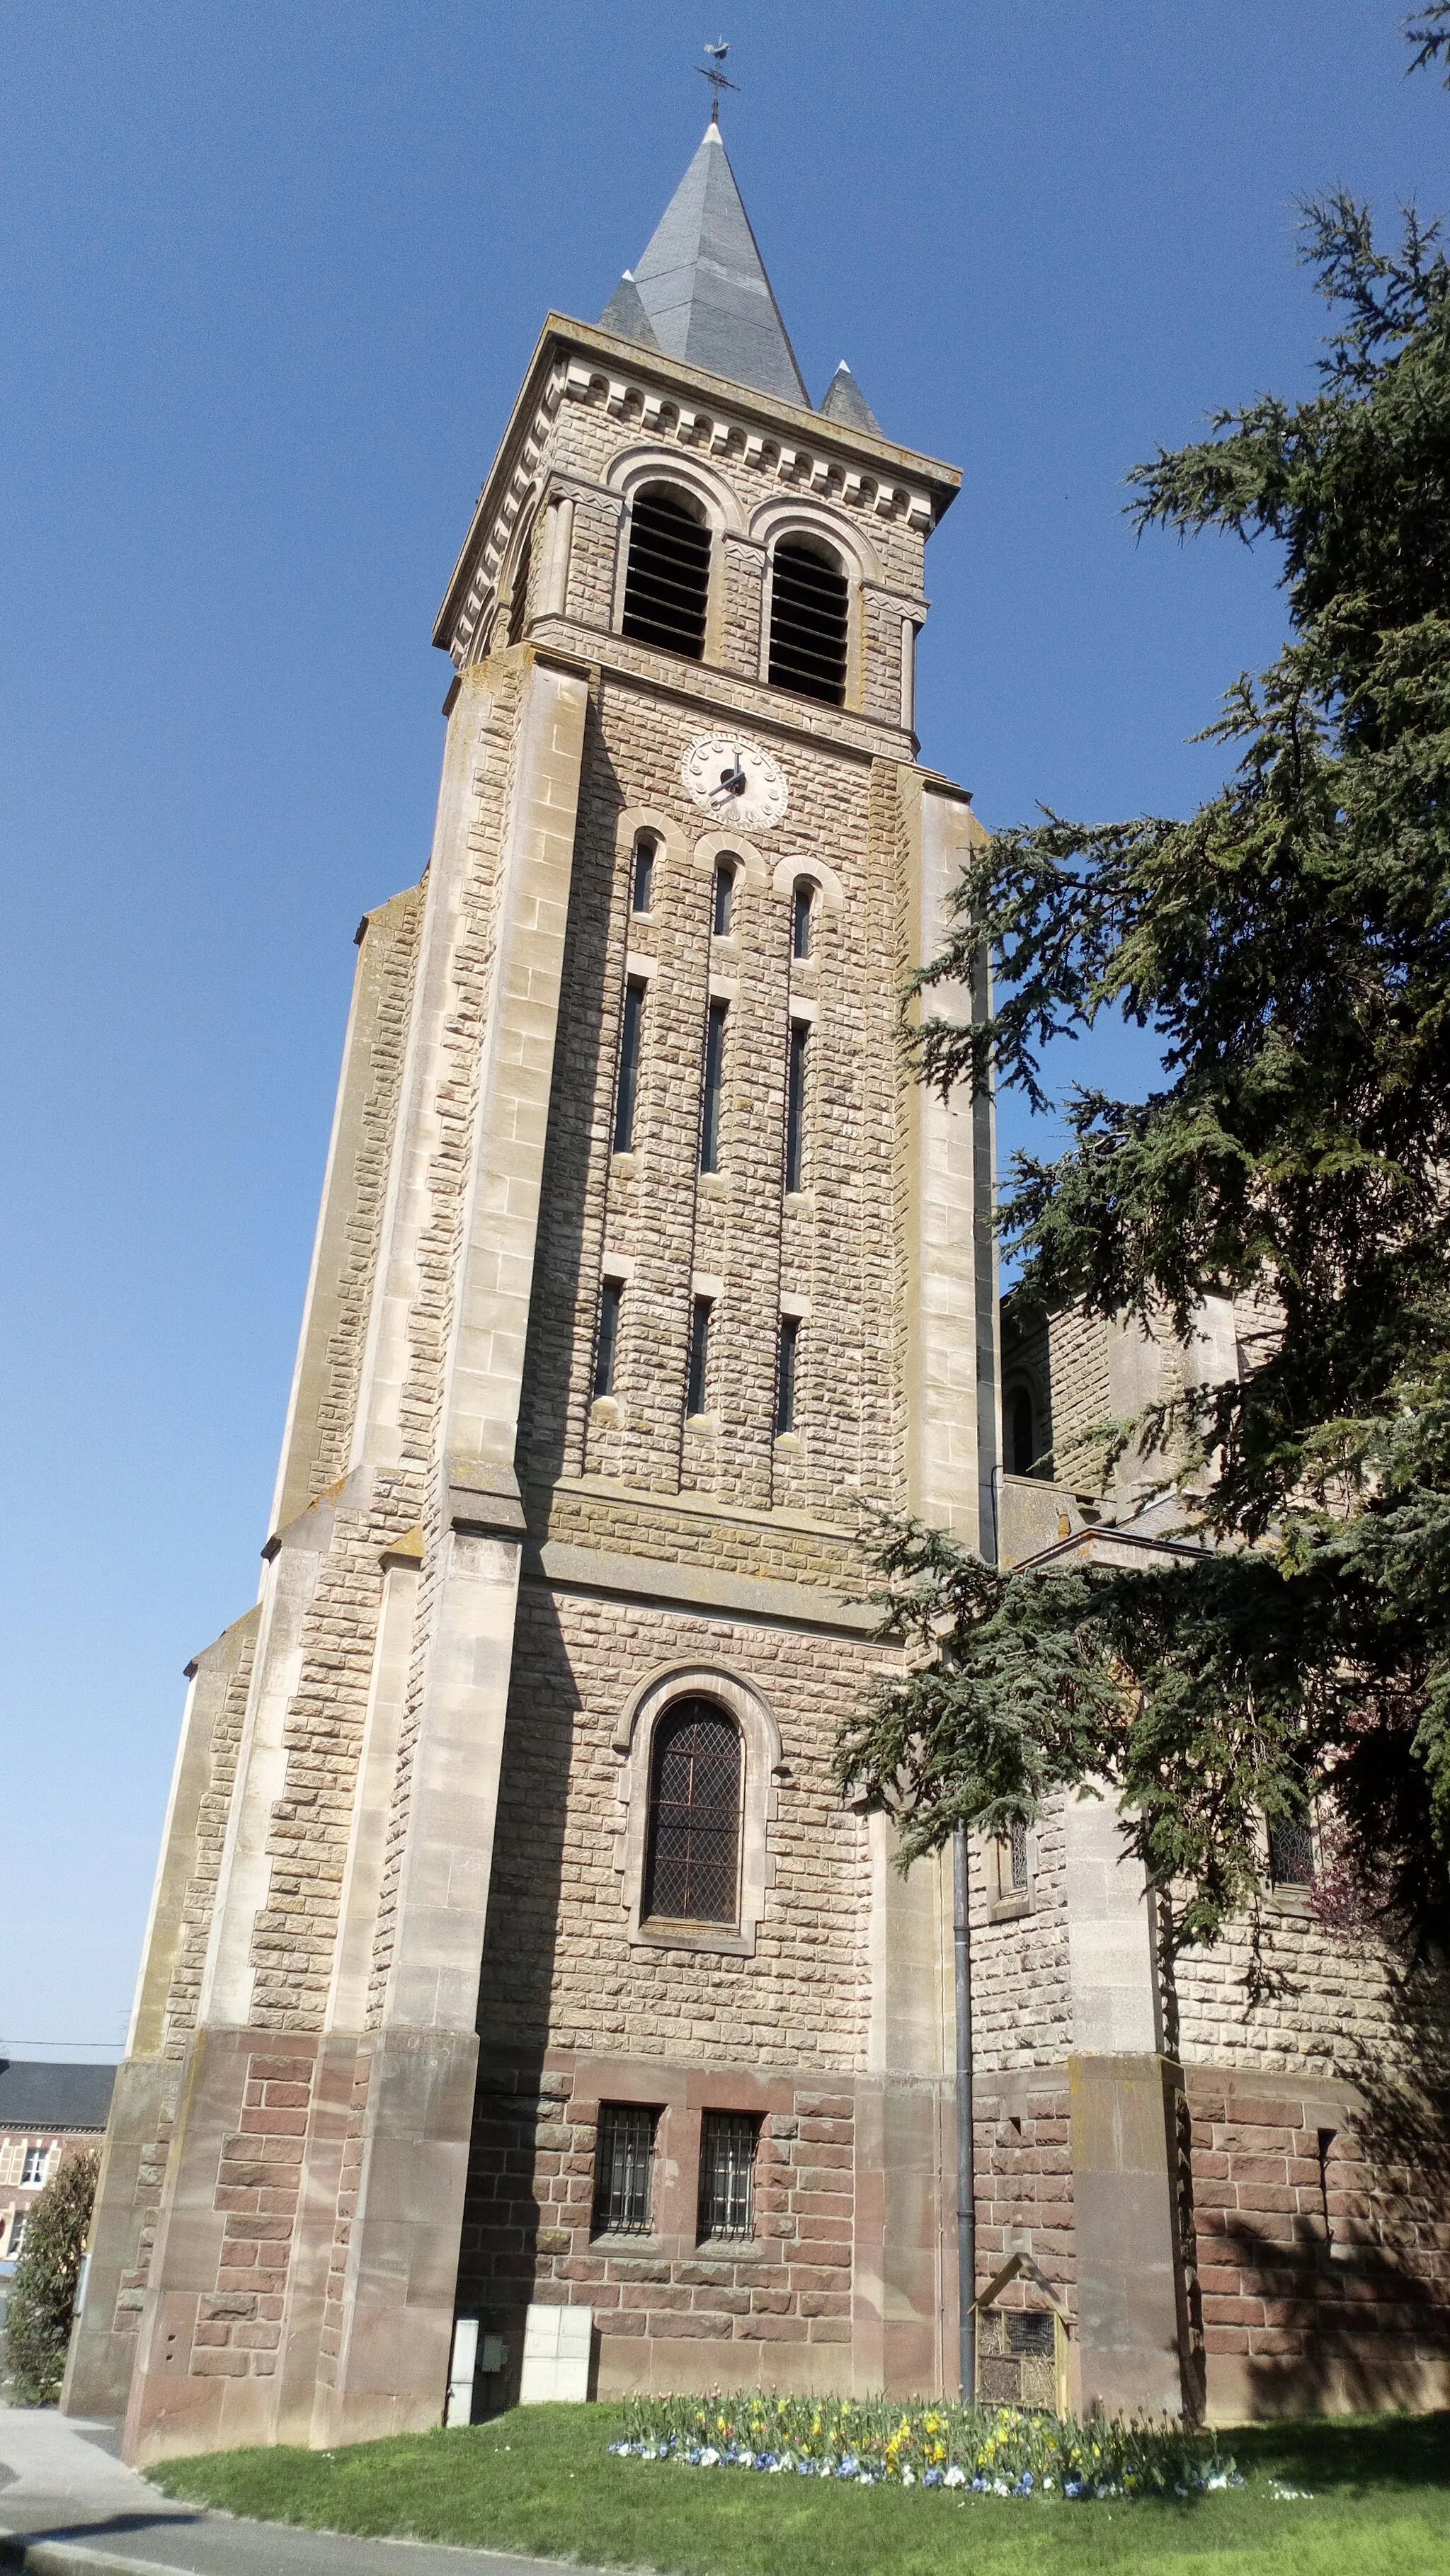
<point x="728" y="2141"/>
<point x="622" y="2165"/>
<point x="692" y="1861"/>
<point x="808" y="613"/>
<point x="667" y="581"/>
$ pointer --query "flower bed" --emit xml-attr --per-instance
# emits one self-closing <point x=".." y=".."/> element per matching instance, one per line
<point x="986" y="2451"/>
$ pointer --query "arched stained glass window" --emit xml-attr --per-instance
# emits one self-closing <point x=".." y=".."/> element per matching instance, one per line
<point x="692" y="1863"/>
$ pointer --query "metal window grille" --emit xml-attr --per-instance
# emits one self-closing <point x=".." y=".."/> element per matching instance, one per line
<point x="629" y="1046"/>
<point x="808" y="598"/>
<point x="622" y="2164"/>
<point x="795" y="1107"/>
<point x="714" y="1083"/>
<point x="1291" y="1852"/>
<point x="644" y="876"/>
<point x="785" y="1375"/>
<point x="724" y="899"/>
<point x="611" y="1297"/>
<point x="1017" y="1846"/>
<point x="692" y="1867"/>
<point x="800" y="936"/>
<point x="699" y="1355"/>
<point x="728" y="2142"/>
<point x="667" y="583"/>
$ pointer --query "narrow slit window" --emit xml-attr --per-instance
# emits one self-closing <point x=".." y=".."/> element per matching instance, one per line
<point x="1021" y="1442"/>
<point x="667" y="579"/>
<point x="519" y="592"/>
<point x="724" y="898"/>
<point x="629" y="1046"/>
<point x="699" y="1356"/>
<point x="1017" y="1852"/>
<point x="692" y="1860"/>
<point x="622" y="2164"/>
<point x="790" y="1331"/>
<point x="802" y="920"/>
<point x="644" y="875"/>
<point x="795" y="1108"/>
<point x="728" y="2144"/>
<point x="714" y="1083"/>
<point x="611" y="1298"/>
<point x="808" y="609"/>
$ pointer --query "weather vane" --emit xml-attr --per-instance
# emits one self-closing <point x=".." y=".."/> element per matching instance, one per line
<point x="716" y="76"/>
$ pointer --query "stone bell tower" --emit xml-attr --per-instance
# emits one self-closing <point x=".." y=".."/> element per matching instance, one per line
<point x="511" y="1947"/>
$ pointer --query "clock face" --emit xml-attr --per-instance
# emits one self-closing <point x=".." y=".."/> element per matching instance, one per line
<point x="735" y="781"/>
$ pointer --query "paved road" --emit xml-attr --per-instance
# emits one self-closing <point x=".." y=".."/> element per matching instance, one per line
<point x="68" y="2507"/>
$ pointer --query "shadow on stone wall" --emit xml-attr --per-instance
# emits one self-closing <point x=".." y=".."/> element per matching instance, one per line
<point x="519" y="2143"/>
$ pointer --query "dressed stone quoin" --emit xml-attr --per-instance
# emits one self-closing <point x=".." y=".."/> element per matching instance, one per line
<point x="522" y="2008"/>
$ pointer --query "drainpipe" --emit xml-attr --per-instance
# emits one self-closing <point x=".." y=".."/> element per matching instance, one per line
<point x="966" y="2177"/>
<point x="988" y="1332"/>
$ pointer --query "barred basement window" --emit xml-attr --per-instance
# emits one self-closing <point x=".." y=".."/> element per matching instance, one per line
<point x="790" y="1328"/>
<point x="728" y="2141"/>
<point x="629" y="1045"/>
<point x="699" y="1356"/>
<point x="714" y="1083"/>
<point x="808" y="600"/>
<point x="1291" y="1852"/>
<point x="1017" y="1847"/>
<point x="667" y="583"/>
<point x="622" y="2164"/>
<point x="643" y="897"/>
<point x="795" y="1108"/>
<point x="611" y="1297"/>
<point x="724" y="898"/>
<point x="692" y="1860"/>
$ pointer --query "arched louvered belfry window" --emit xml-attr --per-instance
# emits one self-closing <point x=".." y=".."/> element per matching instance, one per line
<point x="692" y="1859"/>
<point x="809" y="603"/>
<point x="667" y="578"/>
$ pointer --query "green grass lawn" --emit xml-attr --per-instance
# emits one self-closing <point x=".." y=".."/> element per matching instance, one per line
<point x="540" y="2480"/>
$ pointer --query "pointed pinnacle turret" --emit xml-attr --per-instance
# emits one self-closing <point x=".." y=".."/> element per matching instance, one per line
<point x="845" y="402"/>
<point x="702" y="285"/>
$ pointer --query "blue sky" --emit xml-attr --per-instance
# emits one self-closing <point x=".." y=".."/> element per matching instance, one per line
<point x="270" y="276"/>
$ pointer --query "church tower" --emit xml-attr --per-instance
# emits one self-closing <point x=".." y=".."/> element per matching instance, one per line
<point x="511" y="1949"/>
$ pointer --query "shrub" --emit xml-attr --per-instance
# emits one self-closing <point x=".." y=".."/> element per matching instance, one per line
<point x="42" y="2301"/>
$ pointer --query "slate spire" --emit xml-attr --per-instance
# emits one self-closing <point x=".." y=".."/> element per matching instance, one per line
<point x="702" y="285"/>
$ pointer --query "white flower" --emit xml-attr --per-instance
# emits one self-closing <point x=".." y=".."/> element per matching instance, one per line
<point x="908" y="2477"/>
<point x="955" y="2477"/>
<point x="709" y="2459"/>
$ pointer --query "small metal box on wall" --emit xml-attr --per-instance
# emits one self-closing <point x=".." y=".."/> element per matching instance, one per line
<point x="1022" y="2353"/>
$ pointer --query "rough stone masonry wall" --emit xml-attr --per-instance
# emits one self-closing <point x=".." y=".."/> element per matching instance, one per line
<point x="439" y="1240"/>
<point x="832" y="1245"/>
<point x="559" y="1970"/>
<point x="367" y="1187"/>
<point x="1022" y="2033"/>
<point x="1321" y="2170"/>
<point x="670" y="2310"/>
